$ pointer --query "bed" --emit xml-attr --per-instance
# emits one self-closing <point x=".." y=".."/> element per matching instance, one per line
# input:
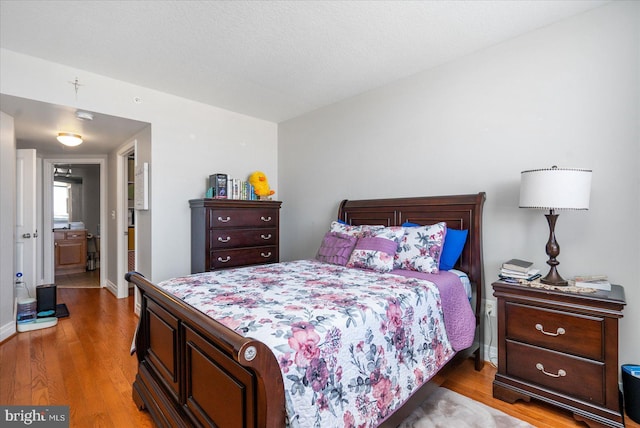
<point x="196" y="370"/>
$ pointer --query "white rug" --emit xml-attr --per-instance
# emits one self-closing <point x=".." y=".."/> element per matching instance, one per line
<point x="447" y="409"/>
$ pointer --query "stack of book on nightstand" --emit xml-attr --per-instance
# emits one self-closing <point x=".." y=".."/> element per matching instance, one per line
<point x="515" y="270"/>
<point x="599" y="282"/>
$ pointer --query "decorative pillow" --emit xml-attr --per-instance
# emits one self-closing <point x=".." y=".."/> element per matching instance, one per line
<point x="421" y="247"/>
<point x="336" y="248"/>
<point x="394" y="233"/>
<point x="452" y="249"/>
<point x="374" y="254"/>
<point x="357" y="231"/>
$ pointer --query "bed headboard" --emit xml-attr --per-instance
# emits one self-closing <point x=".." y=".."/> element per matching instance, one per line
<point x="458" y="211"/>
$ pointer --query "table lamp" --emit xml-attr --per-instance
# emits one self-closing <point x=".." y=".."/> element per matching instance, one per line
<point x="555" y="189"/>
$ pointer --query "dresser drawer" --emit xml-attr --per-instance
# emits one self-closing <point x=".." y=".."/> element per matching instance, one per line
<point x="578" y="377"/>
<point x="245" y="218"/>
<point x="75" y="234"/>
<point x="229" y="238"/>
<point x="70" y="234"/>
<point x="566" y="332"/>
<point x="243" y="256"/>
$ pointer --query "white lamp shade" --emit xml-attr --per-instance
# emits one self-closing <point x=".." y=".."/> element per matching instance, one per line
<point x="69" y="139"/>
<point x="555" y="188"/>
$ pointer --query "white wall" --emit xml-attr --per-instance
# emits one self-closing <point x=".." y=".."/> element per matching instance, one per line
<point x="190" y="140"/>
<point x="7" y="225"/>
<point x="564" y="95"/>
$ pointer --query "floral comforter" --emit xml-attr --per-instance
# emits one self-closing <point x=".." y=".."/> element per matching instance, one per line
<point x="352" y="344"/>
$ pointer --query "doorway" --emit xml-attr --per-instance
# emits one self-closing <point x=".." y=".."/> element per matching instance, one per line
<point x="74" y="198"/>
<point x="76" y="225"/>
<point x="131" y="213"/>
<point x="34" y="123"/>
<point x="126" y="221"/>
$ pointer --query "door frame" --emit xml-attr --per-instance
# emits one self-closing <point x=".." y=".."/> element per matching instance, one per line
<point x="47" y="217"/>
<point x="121" y="219"/>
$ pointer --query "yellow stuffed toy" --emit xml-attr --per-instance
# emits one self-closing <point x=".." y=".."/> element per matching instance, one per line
<point x="260" y="185"/>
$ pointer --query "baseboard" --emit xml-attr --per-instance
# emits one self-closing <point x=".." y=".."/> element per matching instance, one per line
<point x="113" y="288"/>
<point x="491" y="354"/>
<point x="7" y="330"/>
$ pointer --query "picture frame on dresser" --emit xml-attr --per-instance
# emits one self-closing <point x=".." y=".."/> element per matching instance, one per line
<point x="560" y="347"/>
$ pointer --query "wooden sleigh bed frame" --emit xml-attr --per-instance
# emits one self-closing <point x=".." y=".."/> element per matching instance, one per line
<point x="191" y="366"/>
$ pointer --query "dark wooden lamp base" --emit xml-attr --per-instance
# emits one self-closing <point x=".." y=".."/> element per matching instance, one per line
<point x="553" y="250"/>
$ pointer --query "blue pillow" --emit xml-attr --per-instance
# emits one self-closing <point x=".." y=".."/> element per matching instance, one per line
<point x="409" y="224"/>
<point x="453" y="244"/>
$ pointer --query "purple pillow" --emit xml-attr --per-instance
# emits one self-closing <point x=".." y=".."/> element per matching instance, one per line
<point x="336" y="248"/>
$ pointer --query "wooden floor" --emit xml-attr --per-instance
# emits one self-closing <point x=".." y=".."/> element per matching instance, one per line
<point x="84" y="362"/>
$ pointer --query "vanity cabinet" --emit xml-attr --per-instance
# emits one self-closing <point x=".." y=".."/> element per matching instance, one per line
<point x="70" y="248"/>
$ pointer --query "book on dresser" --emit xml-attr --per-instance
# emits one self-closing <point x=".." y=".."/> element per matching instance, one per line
<point x="510" y="276"/>
<point x="598" y="282"/>
<point x="517" y="265"/>
<point x="515" y="270"/>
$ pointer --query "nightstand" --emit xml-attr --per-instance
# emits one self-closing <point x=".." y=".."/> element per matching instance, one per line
<point x="561" y="348"/>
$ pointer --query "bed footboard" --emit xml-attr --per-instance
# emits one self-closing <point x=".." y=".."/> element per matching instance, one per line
<point x="195" y="371"/>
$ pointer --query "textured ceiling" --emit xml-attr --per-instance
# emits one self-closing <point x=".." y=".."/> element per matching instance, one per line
<point x="267" y="59"/>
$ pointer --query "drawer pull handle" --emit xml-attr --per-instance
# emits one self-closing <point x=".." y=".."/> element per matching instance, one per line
<point x="224" y="220"/>
<point x="266" y="255"/>
<point x="561" y="373"/>
<point x="557" y="333"/>
<point x="266" y="236"/>
<point x="263" y="218"/>
<point x="221" y="239"/>
<point x="221" y="260"/>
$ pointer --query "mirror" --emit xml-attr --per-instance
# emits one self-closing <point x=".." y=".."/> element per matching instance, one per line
<point x="76" y="196"/>
<point x="67" y="193"/>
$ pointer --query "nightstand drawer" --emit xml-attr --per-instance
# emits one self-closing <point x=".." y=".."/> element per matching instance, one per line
<point x="578" y="377"/>
<point x="566" y="332"/>
<point x="243" y="256"/>
<point x="242" y="217"/>
<point x="229" y="238"/>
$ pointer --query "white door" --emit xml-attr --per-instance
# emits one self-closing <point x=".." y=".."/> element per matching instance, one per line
<point x="26" y="233"/>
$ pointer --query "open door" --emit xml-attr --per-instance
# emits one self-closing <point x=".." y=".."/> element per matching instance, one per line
<point x="26" y="232"/>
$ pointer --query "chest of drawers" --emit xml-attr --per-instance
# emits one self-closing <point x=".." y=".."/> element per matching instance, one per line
<point x="230" y="233"/>
<point x="561" y="348"/>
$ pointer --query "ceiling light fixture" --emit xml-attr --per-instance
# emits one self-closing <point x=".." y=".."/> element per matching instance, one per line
<point x="69" y="139"/>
